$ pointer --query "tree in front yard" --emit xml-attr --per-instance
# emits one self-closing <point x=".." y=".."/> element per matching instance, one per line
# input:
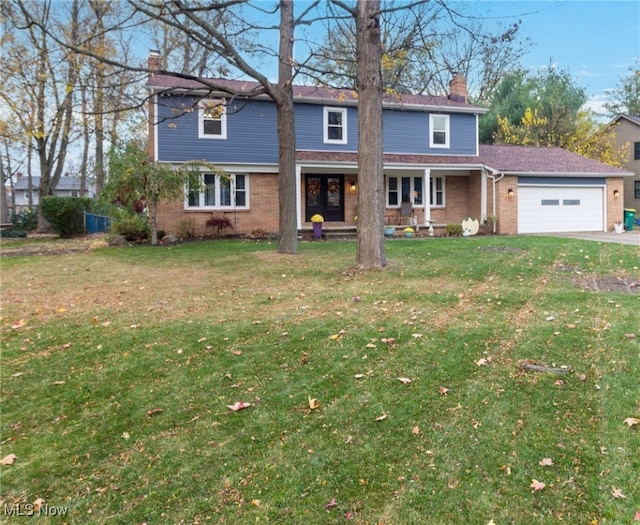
<point x="137" y="182"/>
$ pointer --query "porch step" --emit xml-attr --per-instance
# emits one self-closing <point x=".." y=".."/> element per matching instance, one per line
<point x="338" y="232"/>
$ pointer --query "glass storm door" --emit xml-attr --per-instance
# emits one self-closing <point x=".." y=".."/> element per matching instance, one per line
<point x="325" y="195"/>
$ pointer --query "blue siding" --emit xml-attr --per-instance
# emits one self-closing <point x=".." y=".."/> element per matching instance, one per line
<point x="252" y="132"/>
<point x="310" y="129"/>
<point x="408" y="132"/>
<point x="252" y="135"/>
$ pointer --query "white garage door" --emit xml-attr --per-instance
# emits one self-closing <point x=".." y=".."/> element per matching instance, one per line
<point x="560" y="209"/>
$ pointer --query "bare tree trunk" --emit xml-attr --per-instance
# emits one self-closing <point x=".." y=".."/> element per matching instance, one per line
<point x="99" y="9"/>
<point x="288" y="238"/>
<point x="370" y="252"/>
<point x="4" y="208"/>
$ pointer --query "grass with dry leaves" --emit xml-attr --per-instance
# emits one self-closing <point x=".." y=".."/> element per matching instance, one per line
<point x="221" y="382"/>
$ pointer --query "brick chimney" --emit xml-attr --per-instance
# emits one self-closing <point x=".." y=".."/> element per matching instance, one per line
<point x="458" y="88"/>
<point x="154" y="62"/>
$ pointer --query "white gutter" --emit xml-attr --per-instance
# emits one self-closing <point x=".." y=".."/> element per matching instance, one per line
<point x="495" y="180"/>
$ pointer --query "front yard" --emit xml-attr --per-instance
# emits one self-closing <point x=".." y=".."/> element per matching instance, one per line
<point x="221" y="382"/>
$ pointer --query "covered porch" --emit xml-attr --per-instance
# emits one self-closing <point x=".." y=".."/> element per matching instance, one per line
<point x="425" y="197"/>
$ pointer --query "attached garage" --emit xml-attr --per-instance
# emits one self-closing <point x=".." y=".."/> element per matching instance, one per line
<point x="547" y="205"/>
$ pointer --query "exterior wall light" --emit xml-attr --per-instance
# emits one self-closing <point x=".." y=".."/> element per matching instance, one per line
<point x="616" y="194"/>
<point x="353" y="188"/>
<point x="510" y="193"/>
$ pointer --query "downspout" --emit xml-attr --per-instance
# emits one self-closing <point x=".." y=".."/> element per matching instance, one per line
<point x="494" y="181"/>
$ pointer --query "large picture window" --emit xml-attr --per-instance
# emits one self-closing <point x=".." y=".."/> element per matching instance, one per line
<point x="439" y="131"/>
<point x="335" y="125"/>
<point x="219" y="192"/>
<point x="212" y="119"/>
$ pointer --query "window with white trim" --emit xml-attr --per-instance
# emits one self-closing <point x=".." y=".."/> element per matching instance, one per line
<point x="335" y="125"/>
<point x="439" y="131"/>
<point x="437" y="191"/>
<point x="405" y="189"/>
<point x="212" y="119"/>
<point x="219" y="192"/>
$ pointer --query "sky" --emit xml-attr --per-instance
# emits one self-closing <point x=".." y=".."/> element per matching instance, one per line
<point x="596" y="41"/>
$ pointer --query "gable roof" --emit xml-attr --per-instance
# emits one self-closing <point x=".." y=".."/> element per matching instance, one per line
<point x="309" y="94"/>
<point x="634" y="119"/>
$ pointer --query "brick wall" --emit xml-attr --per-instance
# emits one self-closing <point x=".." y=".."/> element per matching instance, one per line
<point x="263" y="213"/>
<point x="615" y="206"/>
<point x="507" y="206"/>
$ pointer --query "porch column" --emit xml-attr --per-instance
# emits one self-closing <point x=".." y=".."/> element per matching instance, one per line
<point x="426" y="198"/>
<point x="298" y="197"/>
<point x="483" y="196"/>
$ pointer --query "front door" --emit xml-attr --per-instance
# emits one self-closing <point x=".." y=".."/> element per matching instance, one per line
<point x="325" y="195"/>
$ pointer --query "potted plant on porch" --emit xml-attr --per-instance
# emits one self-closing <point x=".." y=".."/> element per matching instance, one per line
<point x="317" y="221"/>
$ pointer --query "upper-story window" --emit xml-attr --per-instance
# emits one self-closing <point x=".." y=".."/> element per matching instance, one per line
<point x="335" y="125"/>
<point x="439" y="126"/>
<point x="219" y="192"/>
<point x="636" y="151"/>
<point x="212" y="119"/>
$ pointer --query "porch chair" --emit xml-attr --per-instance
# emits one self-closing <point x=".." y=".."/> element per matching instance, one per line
<point x="406" y="213"/>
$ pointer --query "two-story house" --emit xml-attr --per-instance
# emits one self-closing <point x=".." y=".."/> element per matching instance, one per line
<point x="627" y="132"/>
<point x="433" y="163"/>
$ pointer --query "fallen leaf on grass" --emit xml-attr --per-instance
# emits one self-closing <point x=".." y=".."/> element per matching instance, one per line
<point x="631" y="421"/>
<point x="331" y="504"/>
<point x="8" y="460"/>
<point x="630" y="336"/>
<point x="637" y="516"/>
<point x="58" y="383"/>
<point x="617" y="493"/>
<point x="415" y="430"/>
<point x="154" y="411"/>
<point x="18" y="324"/>
<point x="238" y="405"/>
<point x="482" y="362"/>
<point x="359" y="376"/>
<point x="313" y="403"/>
<point x="381" y="418"/>
<point x="38" y="504"/>
<point x="537" y="485"/>
<point x="546" y="462"/>
<point x="443" y="391"/>
<point x="404" y="380"/>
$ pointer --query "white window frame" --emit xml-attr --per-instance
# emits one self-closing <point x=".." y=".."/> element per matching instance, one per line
<point x="412" y="189"/>
<point x="343" y="112"/>
<point x="202" y="117"/>
<point x="432" y="129"/>
<point x="217" y="194"/>
<point x="433" y="185"/>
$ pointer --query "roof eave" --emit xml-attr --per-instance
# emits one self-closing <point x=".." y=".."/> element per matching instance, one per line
<point x="562" y="174"/>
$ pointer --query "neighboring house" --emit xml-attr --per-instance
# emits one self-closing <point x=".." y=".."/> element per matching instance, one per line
<point x="432" y="160"/>
<point x="627" y="131"/>
<point x="67" y="187"/>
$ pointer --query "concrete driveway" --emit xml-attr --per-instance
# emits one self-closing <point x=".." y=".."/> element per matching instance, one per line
<point x="632" y="237"/>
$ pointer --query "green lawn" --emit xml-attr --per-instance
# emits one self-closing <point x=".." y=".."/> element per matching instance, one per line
<point x="383" y="397"/>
